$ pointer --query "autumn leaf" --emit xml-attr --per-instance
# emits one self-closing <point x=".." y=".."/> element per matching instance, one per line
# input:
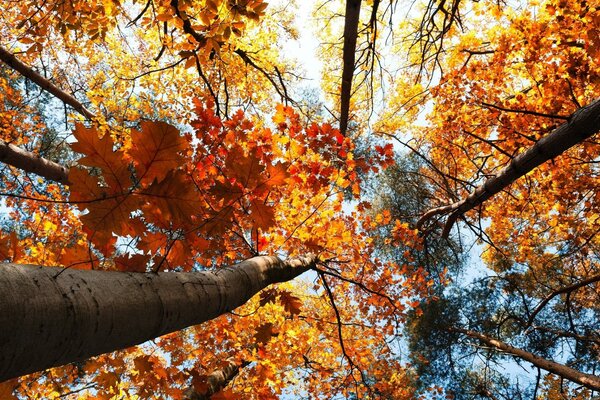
<point x="291" y="303"/>
<point x="265" y="332"/>
<point x="172" y="201"/>
<point x="143" y="364"/>
<point x="263" y="215"/>
<point x="132" y="263"/>
<point x="106" y="212"/>
<point x="156" y="150"/>
<point x="99" y="152"/>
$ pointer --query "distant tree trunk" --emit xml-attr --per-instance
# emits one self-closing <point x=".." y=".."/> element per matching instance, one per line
<point x="587" y="380"/>
<point x="350" y="34"/>
<point x="582" y="124"/>
<point x="52" y="316"/>
<point x="217" y="380"/>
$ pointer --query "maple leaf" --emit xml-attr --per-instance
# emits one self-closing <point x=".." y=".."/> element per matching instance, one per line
<point x="4" y="247"/>
<point x="246" y="169"/>
<point x="107" y="212"/>
<point x="263" y="215"/>
<point x="99" y="152"/>
<point x="172" y="201"/>
<point x="143" y="364"/>
<point x="7" y="388"/>
<point x="291" y="303"/>
<point x="265" y="332"/>
<point x="107" y="380"/>
<point x="132" y="263"/>
<point x="277" y="174"/>
<point x="156" y="150"/>
<point x="268" y="296"/>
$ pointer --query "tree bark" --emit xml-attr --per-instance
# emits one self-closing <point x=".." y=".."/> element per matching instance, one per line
<point x="582" y="124"/>
<point x="350" y="34"/>
<point x="52" y="316"/>
<point x="217" y="380"/>
<point x="9" y="59"/>
<point x="587" y="380"/>
<point x="29" y="162"/>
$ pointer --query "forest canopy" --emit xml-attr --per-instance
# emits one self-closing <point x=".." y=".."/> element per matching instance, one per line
<point x="187" y="213"/>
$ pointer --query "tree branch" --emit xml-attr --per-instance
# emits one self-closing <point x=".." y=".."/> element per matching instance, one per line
<point x="12" y="61"/>
<point x="580" y="125"/>
<point x="216" y="381"/>
<point x="566" y="289"/>
<point x="588" y="380"/>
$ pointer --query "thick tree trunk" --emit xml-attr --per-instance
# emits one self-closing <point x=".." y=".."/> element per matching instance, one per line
<point x="582" y="124"/>
<point x="29" y="162"/>
<point x="350" y="34"/>
<point x="53" y="316"/>
<point x="217" y="380"/>
<point x="587" y="380"/>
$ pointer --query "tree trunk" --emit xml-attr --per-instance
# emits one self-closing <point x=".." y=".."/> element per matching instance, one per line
<point x="29" y="162"/>
<point x="216" y="381"/>
<point x="587" y="380"/>
<point x="582" y="124"/>
<point x="52" y="316"/>
<point x="350" y="34"/>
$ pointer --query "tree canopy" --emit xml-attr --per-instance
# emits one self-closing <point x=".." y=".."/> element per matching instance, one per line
<point x="184" y="216"/>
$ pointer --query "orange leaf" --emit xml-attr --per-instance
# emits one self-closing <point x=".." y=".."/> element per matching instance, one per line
<point x="98" y="152"/>
<point x="172" y="201"/>
<point x="262" y="214"/>
<point x="264" y="333"/>
<point x="107" y="212"/>
<point x="156" y="150"/>
<point x="291" y="303"/>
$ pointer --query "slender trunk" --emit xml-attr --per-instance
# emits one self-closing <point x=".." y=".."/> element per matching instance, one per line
<point x="53" y="316"/>
<point x="350" y="34"/>
<point x="587" y="380"/>
<point x="31" y="163"/>
<point x="582" y="124"/>
<point x="216" y="381"/>
<point x="9" y="59"/>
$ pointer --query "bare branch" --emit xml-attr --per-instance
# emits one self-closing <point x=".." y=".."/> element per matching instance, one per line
<point x="580" y="125"/>
<point x="12" y="61"/>
<point x="588" y="380"/>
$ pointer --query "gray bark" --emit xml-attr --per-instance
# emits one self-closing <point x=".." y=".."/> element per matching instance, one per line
<point x="29" y="162"/>
<point x="52" y="316"/>
<point x="587" y="380"/>
<point x="581" y="125"/>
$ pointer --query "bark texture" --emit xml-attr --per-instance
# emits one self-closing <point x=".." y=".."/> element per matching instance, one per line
<point x="350" y="34"/>
<point x="9" y="59"/>
<point x="29" y="162"/>
<point x="587" y="380"/>
<point x="216" y="381"/>
<point x="53" y="316"/>
<point x="582" y="124"/>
